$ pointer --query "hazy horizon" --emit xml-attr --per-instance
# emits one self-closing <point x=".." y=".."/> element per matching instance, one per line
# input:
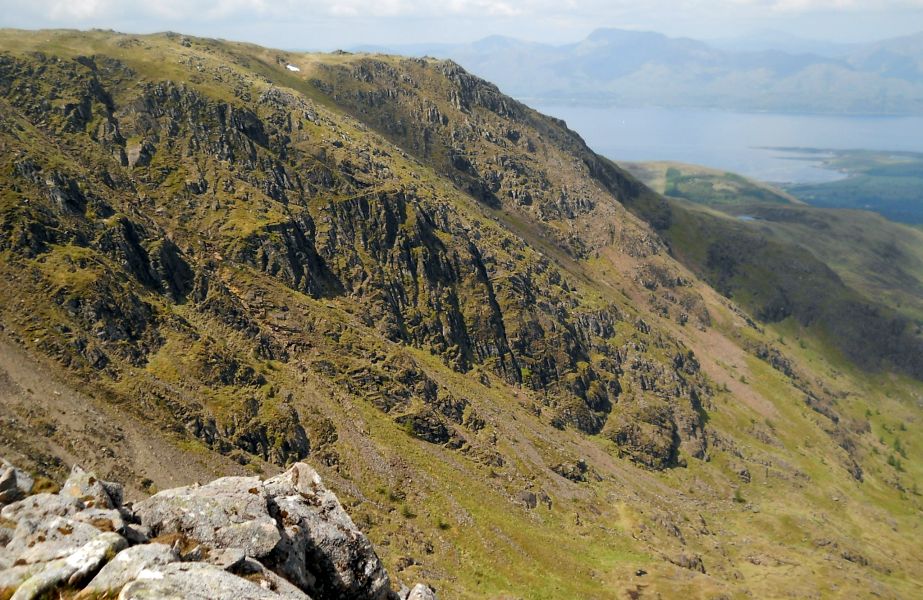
<point x="313" y="25"/>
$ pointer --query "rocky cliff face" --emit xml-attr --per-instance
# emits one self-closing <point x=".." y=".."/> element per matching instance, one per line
<point x="187" y="187"/>
<point x="232" y="538"/>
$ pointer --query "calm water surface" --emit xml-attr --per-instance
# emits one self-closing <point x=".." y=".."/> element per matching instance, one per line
<point x="738" y="142"/>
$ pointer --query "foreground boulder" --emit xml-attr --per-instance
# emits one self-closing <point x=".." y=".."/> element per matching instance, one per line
<point x="235" y="538"/>
<point x="128" y="565"/>
<point x="72" y="570"/>
<point x="231" y="512"/>
<point x="421" y="592"/>
<point x="14" y="483"/>
<point x="193" y="581"/>
<point x="322" y="550"/>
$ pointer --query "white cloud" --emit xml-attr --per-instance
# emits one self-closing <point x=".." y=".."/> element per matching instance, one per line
<point x="76" y="9"/>
<point x="824" y="5"/>
<point x="342" y="23"/>
<point x="65" y="10"/>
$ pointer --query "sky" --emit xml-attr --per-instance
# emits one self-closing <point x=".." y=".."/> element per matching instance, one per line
<point x="332" y="24"/>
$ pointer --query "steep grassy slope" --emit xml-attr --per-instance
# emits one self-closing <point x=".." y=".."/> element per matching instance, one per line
<point x="880" y="259"/>
<point x="437" y="296"/>
<point x="854" y="278"/>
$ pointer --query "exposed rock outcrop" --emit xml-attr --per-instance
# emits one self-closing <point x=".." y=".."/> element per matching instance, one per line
<point x="213" y="200"/>
<point x="233" y="538"/>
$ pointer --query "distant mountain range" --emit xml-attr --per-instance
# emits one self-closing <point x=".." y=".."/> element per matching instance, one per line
<point x="760" y="41"/>
<point x="635" y="68"/>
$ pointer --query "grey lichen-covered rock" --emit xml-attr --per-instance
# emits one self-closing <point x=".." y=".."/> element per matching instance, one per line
<point x="193" y="581"/>
<point x="226" y="558"/>
<point x="9" y="491"/>
<point x="322" y="550"/>
<point x="90" y="490"/>
<point x="41" y="507"/>
<point x="6" y="534"/>
<point x="14" y="483"/>
<point x="137" y="534"/>
<point x="74" y="569"/>
<point x="237" y="538"/>
<point x="575" y="471"/>
<point x="13" y="577"/>
<point x="527" y="499"/>
<point x="421" y="592"/>
<point x="104" y="519"/>
<point x="36" y="541"/>
<point x="691" y="562"/>
<point x="230" y="512"/>
<point x="127" y="565"/>
<point x="256" y="572"/>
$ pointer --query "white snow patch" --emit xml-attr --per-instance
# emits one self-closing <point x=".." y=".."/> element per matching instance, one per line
<point x="292" y="68"/>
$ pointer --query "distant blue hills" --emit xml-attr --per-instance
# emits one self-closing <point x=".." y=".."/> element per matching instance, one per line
<point x="637" y="68"/>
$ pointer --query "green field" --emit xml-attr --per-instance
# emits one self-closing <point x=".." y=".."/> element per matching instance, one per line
<point x="888" y="183"/>
<point x="702" y="185"/>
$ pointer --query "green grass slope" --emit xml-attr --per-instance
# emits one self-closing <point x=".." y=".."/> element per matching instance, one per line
<point x="880" y="258"/>
<point x="853" y="274"/>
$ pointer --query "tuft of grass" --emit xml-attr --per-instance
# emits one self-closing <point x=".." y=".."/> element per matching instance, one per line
<point x="44" y="485"/>
<point x="896" y="463"/>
